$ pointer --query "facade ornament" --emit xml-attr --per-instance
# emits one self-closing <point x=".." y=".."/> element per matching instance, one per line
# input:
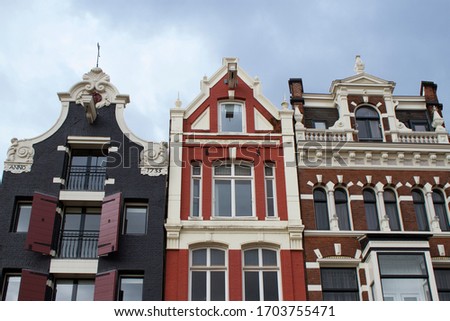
<point x="359" y="65"/>
<point x="19" y="156"/>
<point x="298" y="117"/>
<point x="154" y="159"/>
<point x="438" y="121"/>
<point x="385" y="223"/>
<point x="435" y="227"/>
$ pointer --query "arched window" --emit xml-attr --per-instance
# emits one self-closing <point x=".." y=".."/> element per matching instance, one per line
<point x="208" y="268"/>
<point x="440" y="209"/>
<point x="420" y="209"/>
<point x="390" y="204"/>
<point x="261" y="275"/>
<point x="368" y="124"/>
<point x="370" y="206"/>
<point x="321" y="209"/>
<point x="341" y="202"/>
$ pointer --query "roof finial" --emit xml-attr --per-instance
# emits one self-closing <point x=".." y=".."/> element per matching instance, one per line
<point x="178" y="101"/>
<point x="98" y="53"/>
<point x="359" y="65"/>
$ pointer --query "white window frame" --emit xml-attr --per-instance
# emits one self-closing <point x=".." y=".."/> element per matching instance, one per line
<point x="260" y="269"/>
<point x="233" y="178"/>
<point x="244" y="120"/>
<point x="208" y="269"/>
<point x="272" y="179"/>
<point x="349" y="207"/>
<point x="196" y="177"/>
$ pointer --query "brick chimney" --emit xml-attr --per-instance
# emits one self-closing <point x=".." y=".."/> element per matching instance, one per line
<point x="428" y="89"/>
<point x="296" y="90"/>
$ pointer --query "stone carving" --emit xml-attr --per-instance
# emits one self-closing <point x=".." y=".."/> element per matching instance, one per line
<point x="96" y="83"/>
<point x="154" y="159"/>
<point x="19" y="156"/>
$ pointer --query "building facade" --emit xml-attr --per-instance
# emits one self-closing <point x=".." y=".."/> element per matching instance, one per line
<point x="82" y="206"/>
<point x="373" y="172"/>
<point x="233" y="224"/>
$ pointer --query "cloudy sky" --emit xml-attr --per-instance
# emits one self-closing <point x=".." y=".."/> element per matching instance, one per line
<point x="154" y="50"/>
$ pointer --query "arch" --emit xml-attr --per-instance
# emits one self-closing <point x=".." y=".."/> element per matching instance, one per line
<point x="368" y="124"/>
<point x="391" y="207"/>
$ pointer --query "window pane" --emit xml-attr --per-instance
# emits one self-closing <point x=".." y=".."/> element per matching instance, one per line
<point x="270" y="280"/>
<point x="340" y="296"/>
<point x="223" y="170"/>
<point x="198" y="288"/>
<point x="405" y="289"/>
<point x="321" y="209"/>
<point x="12" y="288"/>
<point x="440" y="209"/>
<point x="375" y="130"/>
<point x="392" y="264"/>
<point x="392" y="213"/>
<point x="217" y="257"/>
<point x="199" y="257"/>
<point x="342" y="209"/>
<point x="72" y="222"/>
<point x="320" y="125"/>
<point x="196" y="169"/>
<point x="23" y="217"/>
<point x="131" y="289"/>
<point x="251" y="258"/>
<point x="251" y="286"/>
<point x="269" y="257"/>
<point x="218" y="286"/>
<point x="242" y="170"/>
<point x="64" y="290"/>
<point x="243" y="194"/>
<point x="231" y="117"/>
<point x="442" y="279"/>
<point x="136" y="220"/>
<point x="196" y="197"/>
<point x="366" y="112"/>
<point x="85" y="290"/>
<point x="222" y="198"/>
<point x="91" y="222"/>
<point x="339" y="279"/>
<point x="270" y="207"/>
<point x="363" y="129"/>
<point x="268" y="169"/>
<point x="421" y="213"/>
<point x="370" y="207"/>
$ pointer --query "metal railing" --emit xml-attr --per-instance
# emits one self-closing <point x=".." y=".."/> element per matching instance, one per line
<point x="86" y="178"/>
<point x="78" y="244"/>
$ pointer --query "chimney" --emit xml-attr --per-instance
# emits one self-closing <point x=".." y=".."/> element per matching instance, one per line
<point x="296" y="90"/>
<point x="428" y="89"/>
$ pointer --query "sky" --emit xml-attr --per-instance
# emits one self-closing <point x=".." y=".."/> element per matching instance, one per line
<point x="156" y="50"/>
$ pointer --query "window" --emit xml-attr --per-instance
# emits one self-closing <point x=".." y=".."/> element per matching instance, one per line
<point x="87" y="170"/>
<point x="196" y="188"/>
<point x="22" y="216"/>
<point x="208" y="271"/>
<point x="321" y="209"/>
<point x="420" y="209"/>
<point x="443" y="283"/>
<point x="368" y="124"/>
<point x="233" y="192"/>
<point x="74" y="290"/>
<point x="339" y="284"/>
<point x="440" y="208"/>
<point x="231" y="117"/>
<point x="269" y="173"/>
<point x="11" y="287"/>
<point x="319" y="124"/>
<point x="340" y="199"/>
<point x="80" y="232"/>
<point x="131" y="288"/>
<point x="404" y="277"/>
<point x="390" y="204"/>
<point x="419" y="125"/>
<point x="261" y="275"/>
<point x="135" y="219"/>
<point x="370" y="206"/>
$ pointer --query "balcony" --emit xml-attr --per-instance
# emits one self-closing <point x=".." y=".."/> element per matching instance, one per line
<point x="77" y="244"/>
<point x="86" y="178"/>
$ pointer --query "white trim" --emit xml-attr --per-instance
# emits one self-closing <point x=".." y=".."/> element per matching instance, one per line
<point x="81" y="196"/>
<point x="73" y="266"/>
<point x="200" y="196"/>
<point x="221" y="104"/>
<point x="314" y="288"/>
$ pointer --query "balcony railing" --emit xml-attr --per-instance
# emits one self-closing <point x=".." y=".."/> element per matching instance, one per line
<point x="78" y="244"/>
<point x="86" y="178"/>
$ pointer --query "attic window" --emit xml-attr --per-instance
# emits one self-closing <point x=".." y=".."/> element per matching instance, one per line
<point x="231" y="117"/>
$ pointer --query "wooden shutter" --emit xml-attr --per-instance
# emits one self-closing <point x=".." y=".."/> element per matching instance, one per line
<point x="33" y="286"/>
<point x="105" y="286"/>
<point x="42" y="223"/>
<point x="108" y="239"/>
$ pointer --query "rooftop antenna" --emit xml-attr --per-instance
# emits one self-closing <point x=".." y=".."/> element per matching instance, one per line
<point x="98" y="53"/>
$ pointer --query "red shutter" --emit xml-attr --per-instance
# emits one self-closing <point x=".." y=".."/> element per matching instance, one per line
<point x="105" y="286"/>
<point x="42" y="222"/>
<point x="108" y="239"/>
<point x="33" y="286"/>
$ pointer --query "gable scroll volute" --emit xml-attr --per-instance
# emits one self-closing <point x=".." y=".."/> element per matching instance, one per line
<point x="19" y="156"/>
<point x="154" y="159"/>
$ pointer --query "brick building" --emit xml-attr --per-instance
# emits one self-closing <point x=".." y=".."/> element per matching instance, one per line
<point x="373" y="172"/>
<point x="233" y="227"/>
<point x="82" y="206"/>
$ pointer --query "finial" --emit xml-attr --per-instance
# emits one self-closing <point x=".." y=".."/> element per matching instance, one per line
<point x="98" y="54"/>
<point x="284" y="104"/>
<point x="359" y="65"/>
<point x="178" y="101"/>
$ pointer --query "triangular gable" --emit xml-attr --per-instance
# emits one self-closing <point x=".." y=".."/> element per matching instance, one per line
<point x="362" y="79"/>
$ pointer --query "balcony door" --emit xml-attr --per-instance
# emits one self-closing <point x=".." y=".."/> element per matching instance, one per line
<point x="87" y="170"/>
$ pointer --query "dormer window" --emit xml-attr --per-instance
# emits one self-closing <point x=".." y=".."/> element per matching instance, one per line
<point x="368" y="124"/>
<point x="231" y="117"/>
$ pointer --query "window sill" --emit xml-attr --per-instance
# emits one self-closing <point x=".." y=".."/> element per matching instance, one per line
<point x="234" y="218"/>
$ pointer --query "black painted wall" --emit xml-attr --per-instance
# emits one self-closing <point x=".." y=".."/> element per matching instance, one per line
<point x="137" y="253"/>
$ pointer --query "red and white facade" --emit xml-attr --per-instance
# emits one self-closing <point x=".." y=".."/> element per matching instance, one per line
<point x="373" y="171"/>
<point x="233" y="225"/>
